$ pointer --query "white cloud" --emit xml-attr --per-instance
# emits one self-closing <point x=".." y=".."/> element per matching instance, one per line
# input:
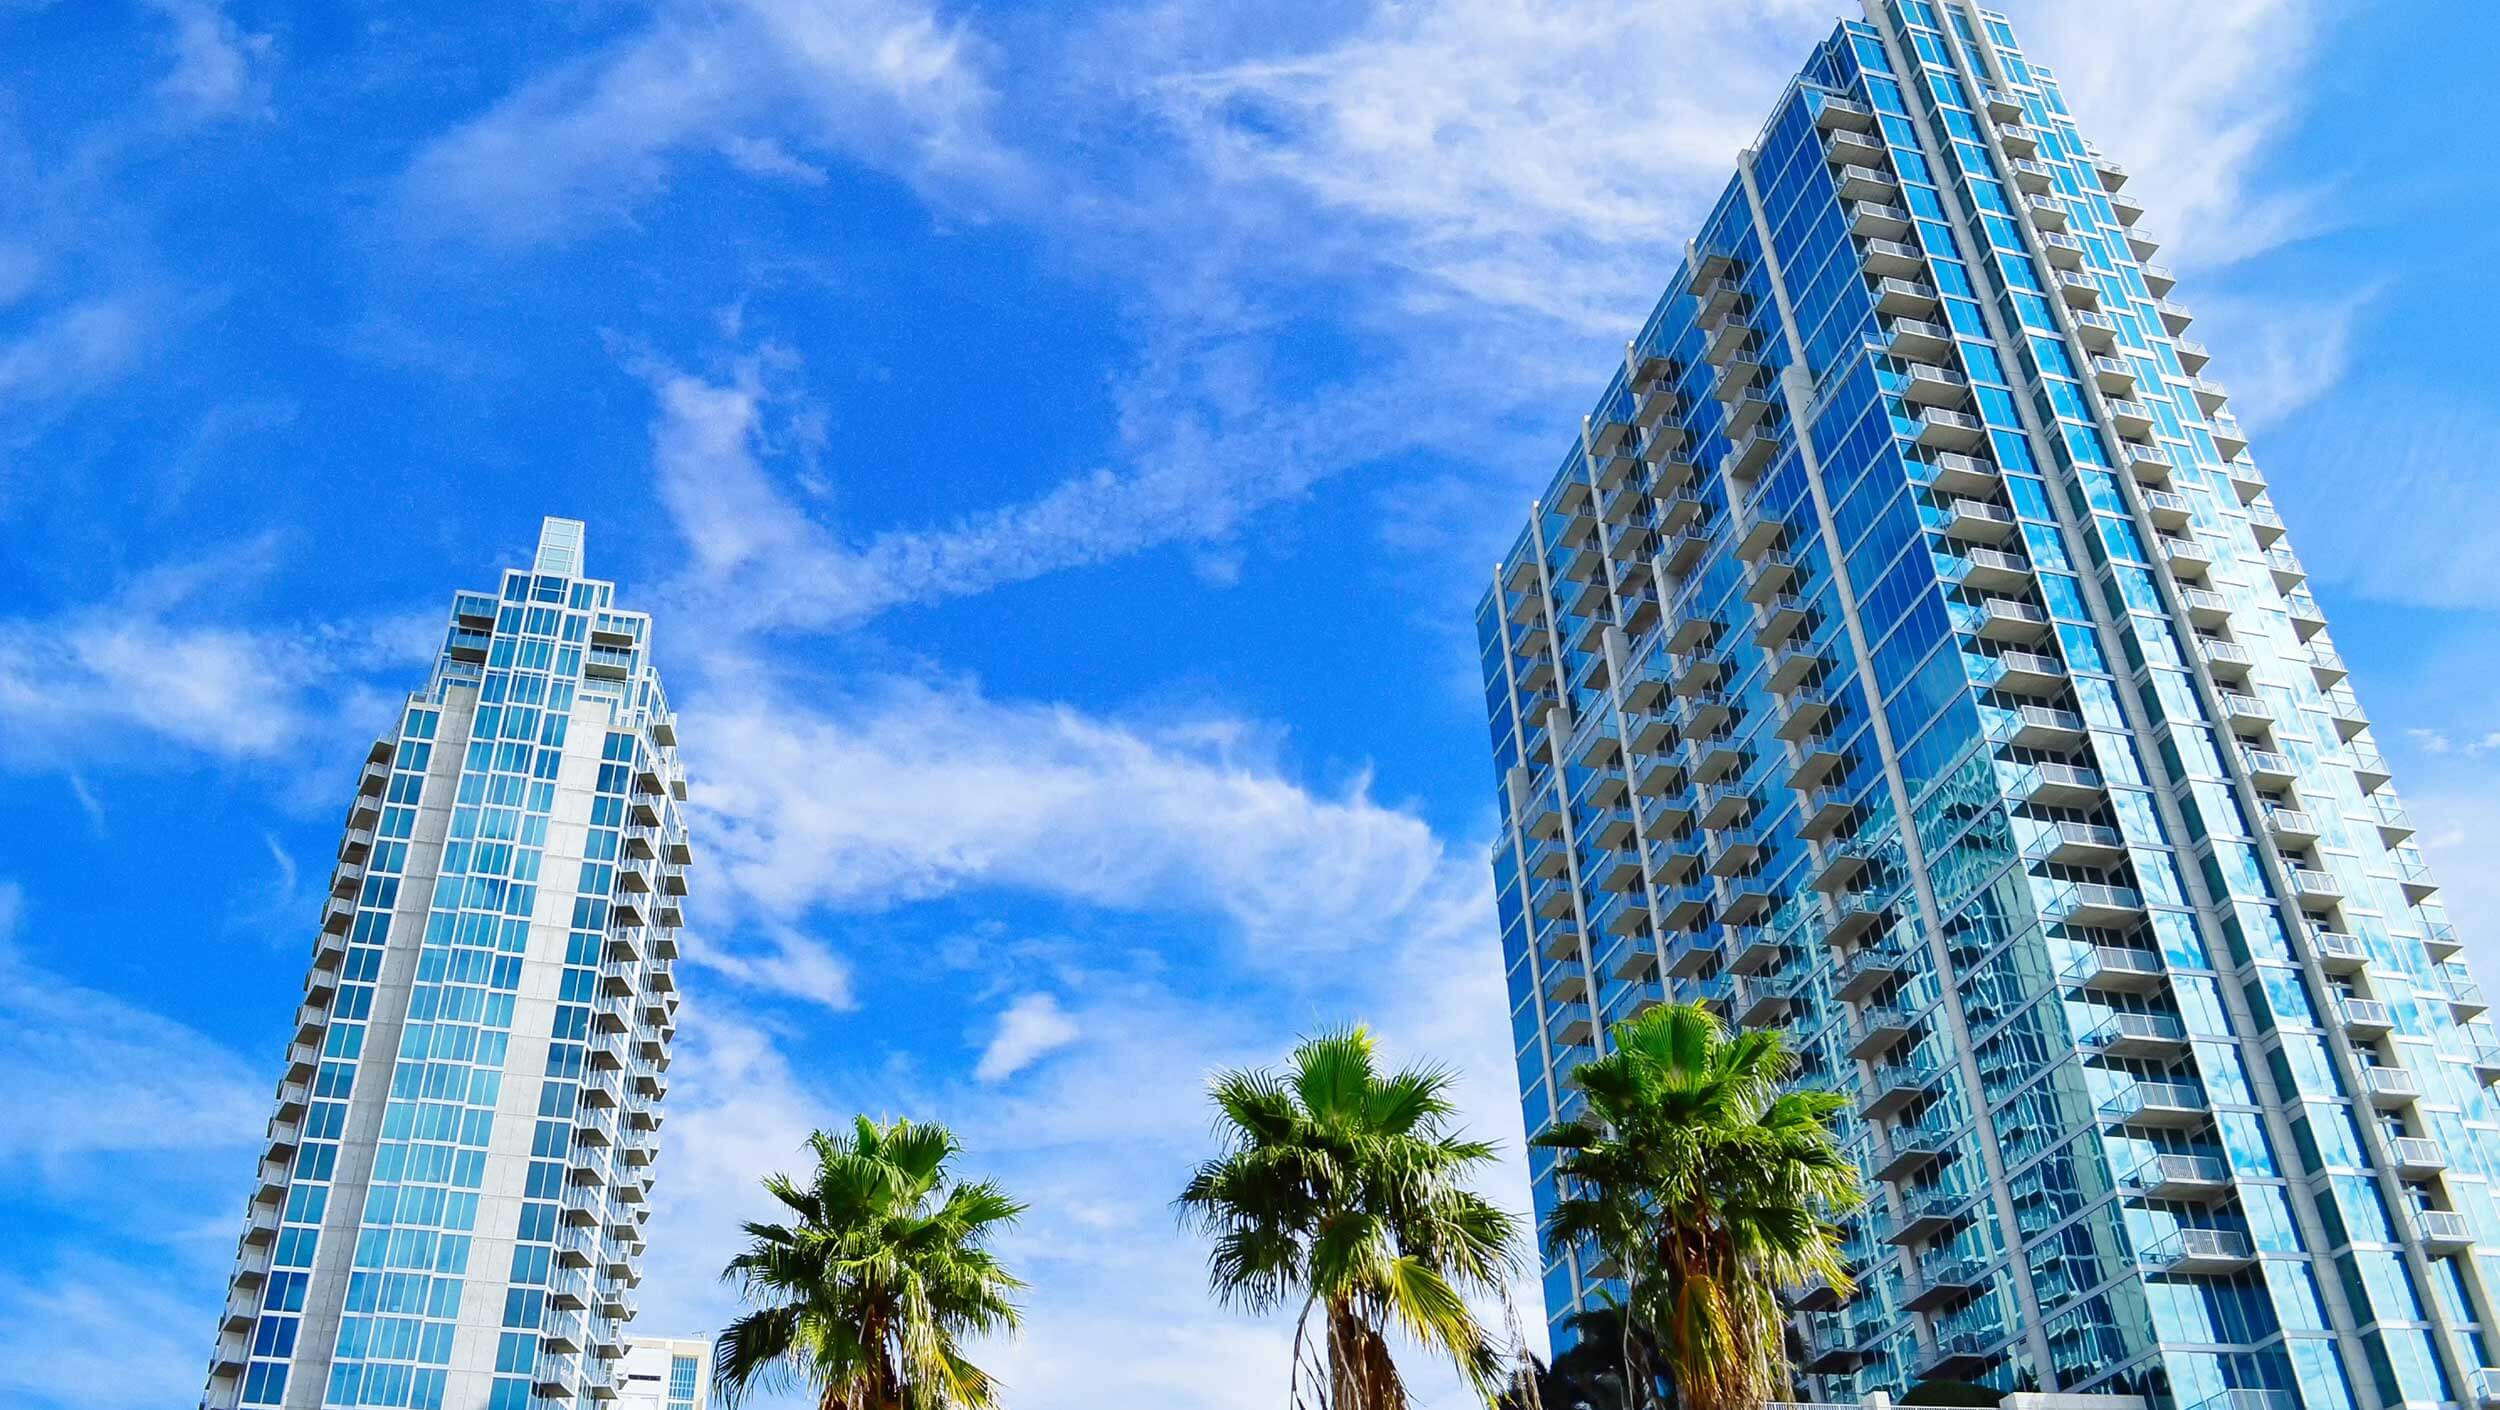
<point x="92" y="1333"/>
<point x="1506" y="153"/>
<point x="90" y="1074"/>
<point x="2430" y="741"/>
<point x="149" y="667"/>
<point x="890" y="790"/>
<point x="2195" y="129"/>
<point x="889" y="83"/>
<point x="783" y="961"/>
<point x="215" y="60"/>
<point x="2279" y="352"/>
<point x="762" y="156"/>
<point x="1032" y="1028"/>
<point x="74" y="351"/>
<point x="2389" y="495"/>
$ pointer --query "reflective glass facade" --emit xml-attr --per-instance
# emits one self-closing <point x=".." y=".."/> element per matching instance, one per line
<point x="1909" y="655"/>
<point x="449" y="1212"/>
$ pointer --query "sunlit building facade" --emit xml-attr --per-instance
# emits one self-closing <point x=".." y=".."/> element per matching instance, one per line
<point x="1908" y="655"/>
<point x="449" y="1212"/>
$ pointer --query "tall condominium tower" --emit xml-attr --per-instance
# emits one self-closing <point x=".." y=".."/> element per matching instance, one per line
<point x="450" y="1210"/>
<point x="1907" y="654"/>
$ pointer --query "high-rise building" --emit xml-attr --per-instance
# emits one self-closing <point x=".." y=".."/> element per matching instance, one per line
<point x="665" y="1373"/>
<point x="1907" y="653"/>
<point x="449" y="1213"/>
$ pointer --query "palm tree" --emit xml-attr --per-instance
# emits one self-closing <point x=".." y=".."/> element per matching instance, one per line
<point x="1343" y="1186"/>
<point x="1711" y="1189"/>
<point x="867" y="1293"/>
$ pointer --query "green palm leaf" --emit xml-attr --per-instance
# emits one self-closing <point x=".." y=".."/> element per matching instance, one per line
<point x="867" y="1291"/>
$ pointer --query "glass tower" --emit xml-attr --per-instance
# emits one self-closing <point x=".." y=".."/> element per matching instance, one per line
<point x="1907" y="654"/>
<point x="449" y="1212"/>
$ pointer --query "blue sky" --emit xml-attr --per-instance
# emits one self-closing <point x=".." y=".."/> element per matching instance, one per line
<point x="1063" y="448"/>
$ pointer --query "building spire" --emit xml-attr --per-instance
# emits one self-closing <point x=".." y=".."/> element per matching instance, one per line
<point x="559" y="547"/>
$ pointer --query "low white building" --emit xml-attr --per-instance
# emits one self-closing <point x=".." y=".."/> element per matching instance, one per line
<point x="665" y="1373"/>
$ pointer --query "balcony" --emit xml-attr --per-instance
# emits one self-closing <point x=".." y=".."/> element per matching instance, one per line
<point x="1929" y="385"/>
<point x="1943" y="1282"/>
<point x="1956" y="1355"/>
<point x="2239" y="709"/>
<point x="2116" y="969"/>
<point x="2096" y="331"/>
<point x="2168" y="1105"/>
<point x="1928" y="1213"/>
<point x="2177" y="1177"/>
<point x="2229" y="440"/>
<point x="2026" y="673"/>
<point x="1892" y="259"/>
<point x="2080" y="290"/>
<point x="2150" y="464"/>
<point x="1952" y="473"/>
<point x="1913" y="1149"/>
<point x="1834" y="1350"/>
<point x="2002" y="106"/>
<point x="1903" y="298"/>
<point x="2137" y="1035"/>
<point x="2268" y="769"/>
<point x="1747" y="458"/>
<point x="2076" y="843"/>
<point x="2198" y="1251"/>
<point x="2056" y="785"/>
<point x="2141" y="245"/>
<point x="1917" y="340"/>
<point x="2167" y="510"/>
<point x="1802" y="712"/>
<point x="2039" y="727"/>
<point x="1866" y="183"/>
<point x="2047" y="212"/>
<point x="2364" y="1018"/>
<point x="2018" y="140"/>
<point x="1854" y="916"/>
<point x="1896" y="1086"/>
<point x="1752" y="949"/>
<point x="2115" y="376"/>
<point x="1882" y="1028"/>
<point x="2247" y="481"/>
<point x="2187" y="554"/>
<point x="2226" y="658"/>
<point x="2032" y="175"/>
<point x="1952" y="430"/>
<point x="2416" y="1157"/>
<point x="2005" y="620"/>
<point x="2316" y="890"/>
<point x="1878" y="218"/>
<point x="2290" y="827"/>
<point x="2175" y="320"/>
<point x="1986" y="569"/>
<point x="1847" y="147"/>
<point x="1974" y="520"/>
<point x="1839" y="865"/>
<point x="1834" y="114"/>
<point x="1780" y="618"/>
<point x="1868" y="970"/>
<point x="1762" y="1002"/>
<point x="2209" y="397"/>
<point x="2442" y="1231"/>
<point x="2390" y="1087"/>
<point x="2337" y="952"/>
<point x="1824" y="812"/>
<point x="2064" y="251"/>
<point x="1790" y="666"/>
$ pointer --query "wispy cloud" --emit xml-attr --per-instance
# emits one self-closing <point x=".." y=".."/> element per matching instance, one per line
<point x="218" y="67"/>
<point x="2196" y="129"/>
<point x="888" y="790"/>
<point x="90" y="1074"/>
<point x="893" y="84"/>
<point x="1032" y="1028"/>
<point x="152" y="665"/>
